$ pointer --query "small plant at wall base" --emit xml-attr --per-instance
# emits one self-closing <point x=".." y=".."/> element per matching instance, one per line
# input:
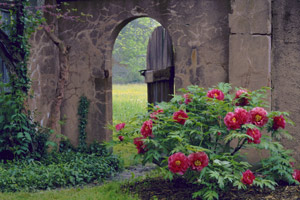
<point x="83" y="110"/>
<point x="192" y="136"/>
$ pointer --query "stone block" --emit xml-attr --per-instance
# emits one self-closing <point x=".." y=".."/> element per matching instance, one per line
<point x="250" y="16"/>
<point x="249" y="61"/>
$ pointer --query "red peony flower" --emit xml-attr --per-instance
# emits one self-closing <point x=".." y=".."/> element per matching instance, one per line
<point x="292" y="164"/>
<point x="242" y="115"/>
<point x="278" y="121"/>
<point x="243" y="101"/>
<point x="153" y="115"/>
<point x="296" y="175"/>
<point x="121" y="138"/>
<point x="258" y="116"/>
<point x="198" y="160"/>
<point x="120" y="126"/>
<point x="231" y="121"/>
<point x="255" y="134"/>
<point x="178" y="163"/>
<point x="188" y="98"/>
<point x="140" y="146"/>
<point x="180" y="117"/>
<point x="215" y="93"/>
<point x="146" y="129"/>
<point x="248" y="177"/>
<point x="219" y="133"/>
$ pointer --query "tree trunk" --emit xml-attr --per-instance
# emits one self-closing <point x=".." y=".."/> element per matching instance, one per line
<point x="64" y="66"/>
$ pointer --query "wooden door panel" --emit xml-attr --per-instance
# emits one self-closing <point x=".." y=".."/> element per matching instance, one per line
<point x="159" y="75"/>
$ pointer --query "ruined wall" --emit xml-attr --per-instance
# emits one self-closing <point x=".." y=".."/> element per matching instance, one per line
<point x="285" y="65"/>
<point x="44" y="73"/>
<point x="250" y="44"/>
<point x="250" y="50"/>
<point x="200" y="34"/>
<point x="214" y="40"/>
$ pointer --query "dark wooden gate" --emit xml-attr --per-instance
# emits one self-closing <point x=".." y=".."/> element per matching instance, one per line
<point x="159" y="75"/>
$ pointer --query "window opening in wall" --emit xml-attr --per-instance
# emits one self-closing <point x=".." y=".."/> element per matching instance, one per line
<point x="5" y="18"/>
<point x="4" y="75"/>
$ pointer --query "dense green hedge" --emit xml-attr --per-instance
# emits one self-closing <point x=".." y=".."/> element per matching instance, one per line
<point x="57" y="170"/>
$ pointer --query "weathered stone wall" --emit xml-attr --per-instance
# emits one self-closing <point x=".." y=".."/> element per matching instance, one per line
<point x="44" y="73"/>
<point x="250" y="44"/>
<point x="200" y="34"/>
<point x="250" y="49"/>
<point x="286" y="65"/>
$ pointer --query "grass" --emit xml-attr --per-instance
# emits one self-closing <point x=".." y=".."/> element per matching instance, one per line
<point x="128" y="100"/>
<point x="108" y="191"/>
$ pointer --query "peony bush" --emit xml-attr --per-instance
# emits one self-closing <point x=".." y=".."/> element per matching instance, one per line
<point x="199" y="135"/>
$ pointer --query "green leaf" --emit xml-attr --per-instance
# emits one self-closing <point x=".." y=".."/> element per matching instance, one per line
<point x="239" y="185"/>
<point x="20" y="135"/>
<point x="211" y="195"/>
<point x="27" y="135"/>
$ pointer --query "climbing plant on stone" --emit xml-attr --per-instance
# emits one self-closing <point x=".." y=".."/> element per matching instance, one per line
<point x="83" y="110"/>
<point x="19" y="131"/>
<point x="19" y="134"/>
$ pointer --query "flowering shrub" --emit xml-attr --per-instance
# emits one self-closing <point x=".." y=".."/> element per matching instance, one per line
<point x="215" y="93"/>
<point x="121" y="137"/>
<point x="248" y="177"/>
<point x="278" y="122"/>
<point x="178" y="163"/>
<point x="296" y="175"/>
<point x="153" y="115"/>
<point x="120" y="126"/>
<point x="255" y="134"/>
<point x="146" y="129"/>
<point x="187" y="98"/>
<point x="140" y="146"/>
<point x="201" y="139"/>
<point x="242" y="98"/>
<point x="180" y="117"/>
<point x="198" y="160"/>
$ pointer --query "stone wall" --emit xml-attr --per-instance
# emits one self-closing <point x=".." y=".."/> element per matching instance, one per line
<point x="44" y="73"/>
<point x="250" y="44"/>
<point x="250" y="50"/>
<point x="285" y="65"/>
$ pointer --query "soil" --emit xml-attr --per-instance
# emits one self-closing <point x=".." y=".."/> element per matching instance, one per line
<point x="157" y="188"/>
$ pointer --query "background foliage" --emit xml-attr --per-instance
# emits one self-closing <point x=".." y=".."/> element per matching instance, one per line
<point x="130" y="49"/>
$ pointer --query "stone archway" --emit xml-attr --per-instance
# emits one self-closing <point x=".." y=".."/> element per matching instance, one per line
<point x="200" y="34"/>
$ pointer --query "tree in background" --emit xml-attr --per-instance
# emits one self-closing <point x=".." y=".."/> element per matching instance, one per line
<point x="130" y="50"/>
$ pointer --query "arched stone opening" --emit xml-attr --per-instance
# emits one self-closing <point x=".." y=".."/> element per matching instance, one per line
<point x="129" y="60"/>
<point x="199" y="31"/>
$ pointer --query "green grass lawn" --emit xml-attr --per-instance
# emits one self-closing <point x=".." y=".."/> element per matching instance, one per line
<point x="108" y="191"/>
<point x="128" y="100"/>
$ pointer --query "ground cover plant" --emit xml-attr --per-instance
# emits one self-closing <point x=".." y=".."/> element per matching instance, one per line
<point x="62" y="167"/>
<point x="58" y="169"/>
<point x="199" y="136"/>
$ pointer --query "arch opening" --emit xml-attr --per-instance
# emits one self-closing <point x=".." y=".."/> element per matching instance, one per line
<point x="128" y="58"/>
